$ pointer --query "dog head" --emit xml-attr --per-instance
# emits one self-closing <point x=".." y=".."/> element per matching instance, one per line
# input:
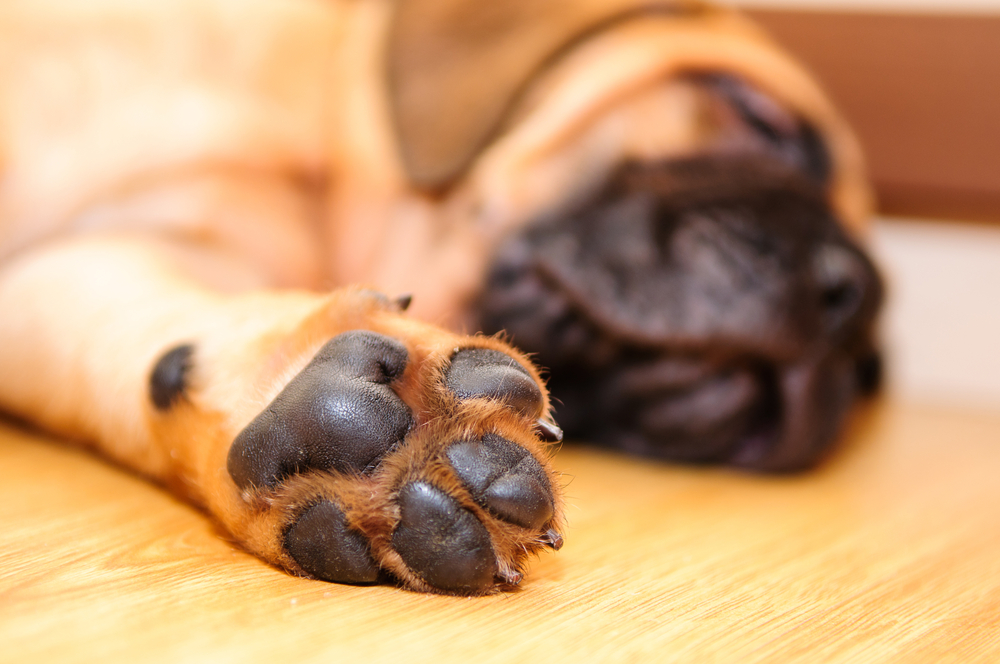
<point x="672" y="210"/>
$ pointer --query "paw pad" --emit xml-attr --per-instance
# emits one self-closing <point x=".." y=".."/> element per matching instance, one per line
<point x="504" y="478"/>
<point x="442" y="543"/>
<point x="169" y="379"/>
<point x="323" y="545"/>
<point x="485" y="373"/>
<point x="339" y="413"/>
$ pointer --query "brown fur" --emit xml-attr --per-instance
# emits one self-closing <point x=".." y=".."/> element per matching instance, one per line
<point x="202" y="171"/>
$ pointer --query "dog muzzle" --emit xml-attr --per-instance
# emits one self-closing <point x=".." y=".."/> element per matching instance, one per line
<point x="709" y="310"/>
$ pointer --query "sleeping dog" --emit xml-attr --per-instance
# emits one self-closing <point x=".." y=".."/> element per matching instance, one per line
<point x="647" y="195"/>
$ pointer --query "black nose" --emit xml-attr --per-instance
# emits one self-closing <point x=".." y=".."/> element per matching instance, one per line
<point x="847" y="287"/>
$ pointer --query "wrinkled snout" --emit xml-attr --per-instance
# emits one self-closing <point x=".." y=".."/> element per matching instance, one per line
<point x="708" y="311"/>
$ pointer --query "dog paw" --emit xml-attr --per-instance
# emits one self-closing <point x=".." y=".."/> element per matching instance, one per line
<point x="405" y="454"/>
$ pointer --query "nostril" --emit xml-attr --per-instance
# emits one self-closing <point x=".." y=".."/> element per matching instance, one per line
<point x="839" y="296"/>
<point x="842" y="277"/>
<point x="870" y="373"/>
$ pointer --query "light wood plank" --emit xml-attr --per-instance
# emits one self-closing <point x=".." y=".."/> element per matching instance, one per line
<point x="890" y="552"/>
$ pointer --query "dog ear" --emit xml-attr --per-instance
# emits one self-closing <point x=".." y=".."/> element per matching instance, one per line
<point x="456" y="68"/>
<point x="787" y="136"/>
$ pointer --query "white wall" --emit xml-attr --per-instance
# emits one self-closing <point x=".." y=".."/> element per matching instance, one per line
<point x="937" y="6"/>
<point x="942" y="324"/>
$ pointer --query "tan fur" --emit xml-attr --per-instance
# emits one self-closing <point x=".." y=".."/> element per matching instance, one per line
<point x="202" y="170"/>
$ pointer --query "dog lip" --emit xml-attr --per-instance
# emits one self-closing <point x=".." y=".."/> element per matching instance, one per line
<point x="813" y="396"/>
<point x="753" y="450"/>
<point x="673" y="373"/>
<point x="753" y="414"/>
<point x="690" y="408"/>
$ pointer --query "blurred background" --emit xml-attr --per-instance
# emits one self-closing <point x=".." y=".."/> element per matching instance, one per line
<point x="920" y="82"/>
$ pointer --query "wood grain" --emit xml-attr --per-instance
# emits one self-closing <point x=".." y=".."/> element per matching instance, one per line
<point x="890" y="552"/>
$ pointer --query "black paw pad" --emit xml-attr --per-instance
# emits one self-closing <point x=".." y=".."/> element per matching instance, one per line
<point x="442" y="543"/>
<point x="505" y="478"/>
<point x="323" y="545"/>
<point x="480" y="372"/>
<point x="168" y="381"/>
<point x="338" y="413"/>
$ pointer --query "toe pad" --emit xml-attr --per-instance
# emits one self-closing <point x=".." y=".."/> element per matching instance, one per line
<point x="505" y="478"/>
<point x="484" y="373"/>
<point x="323" y="545"/>
<point x="444" y="544"/>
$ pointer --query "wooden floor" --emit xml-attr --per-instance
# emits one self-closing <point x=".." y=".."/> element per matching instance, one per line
<point x="891" y="552"/>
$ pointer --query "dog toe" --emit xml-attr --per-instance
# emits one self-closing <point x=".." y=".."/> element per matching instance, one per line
<point x="486" y="373"/>
<point x="505" y="478"/>
<point x="321" y="542"/>
<point x="442" y="543"/>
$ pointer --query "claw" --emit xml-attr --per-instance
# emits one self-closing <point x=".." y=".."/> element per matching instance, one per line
<point x="403" y="301"/>
<point x="549" y="431"/>
<point x="552" y="539"/>
<point x="511" y="577"/>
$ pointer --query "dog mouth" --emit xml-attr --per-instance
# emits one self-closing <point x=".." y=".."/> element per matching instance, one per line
<point x="744" y="412"/>
<point x="715" y="330"/>
<point x="691" y="411"/>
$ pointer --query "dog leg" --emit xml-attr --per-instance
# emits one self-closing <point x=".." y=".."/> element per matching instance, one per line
<point x="330" y="434"/>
